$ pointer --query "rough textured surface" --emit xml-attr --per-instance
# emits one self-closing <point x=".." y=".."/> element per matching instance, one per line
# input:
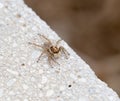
<point x="96" y="23"/>
<point x="23" y="79"/>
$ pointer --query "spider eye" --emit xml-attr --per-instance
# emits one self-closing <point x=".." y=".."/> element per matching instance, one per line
<point x="51" y="47"/>
<point x="54" y="49"/>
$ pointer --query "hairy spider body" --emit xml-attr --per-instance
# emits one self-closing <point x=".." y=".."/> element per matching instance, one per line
<point x="52" y="51"/>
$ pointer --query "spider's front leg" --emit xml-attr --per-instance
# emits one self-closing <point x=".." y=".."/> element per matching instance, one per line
<point x="34" y="44"/>
<point x="62" y="49"/>
<point x="45" y="38"/>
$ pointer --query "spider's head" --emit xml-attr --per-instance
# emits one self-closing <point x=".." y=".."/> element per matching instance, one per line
<point x="54" y="49"/>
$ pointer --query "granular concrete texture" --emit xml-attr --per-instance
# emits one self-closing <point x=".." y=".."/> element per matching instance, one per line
<point x="23" y="79"/>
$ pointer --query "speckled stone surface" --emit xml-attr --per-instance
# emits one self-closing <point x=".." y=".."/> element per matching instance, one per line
<point x="23" y="79"/>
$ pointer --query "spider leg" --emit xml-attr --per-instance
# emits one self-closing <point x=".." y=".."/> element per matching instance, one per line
<point x="50" y="58"/>
<point x="44" y="38"/>
<point x="40" y="56"/>
<point x="35" y="44"/>
<point x="55" y="61"/>
<point x="65" y="52"/>
<point x="58" y="41"/>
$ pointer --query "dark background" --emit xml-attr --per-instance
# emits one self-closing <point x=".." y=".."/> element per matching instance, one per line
<point x="91" y="28"/>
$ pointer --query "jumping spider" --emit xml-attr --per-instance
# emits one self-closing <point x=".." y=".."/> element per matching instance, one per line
<point x="52" y="51"/>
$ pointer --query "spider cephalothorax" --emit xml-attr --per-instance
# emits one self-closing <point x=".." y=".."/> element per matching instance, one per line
<point x="54" y="49"/>
<point x="51" y="50"/>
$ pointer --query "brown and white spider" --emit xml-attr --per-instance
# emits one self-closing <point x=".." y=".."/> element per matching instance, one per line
<point x="52" y="51"/>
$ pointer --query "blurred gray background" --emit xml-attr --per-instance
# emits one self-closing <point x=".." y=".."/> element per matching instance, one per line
<point x="91" y="28"/>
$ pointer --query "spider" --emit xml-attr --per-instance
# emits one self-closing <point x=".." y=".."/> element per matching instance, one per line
<point x="52" y="51"/>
